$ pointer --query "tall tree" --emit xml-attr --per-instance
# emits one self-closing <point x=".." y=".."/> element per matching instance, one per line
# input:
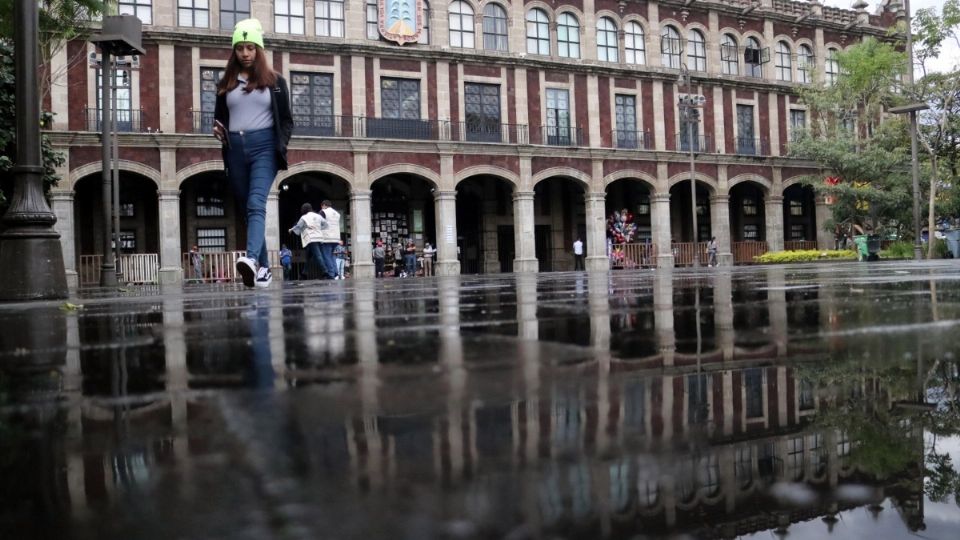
<point x="850" y="140"/>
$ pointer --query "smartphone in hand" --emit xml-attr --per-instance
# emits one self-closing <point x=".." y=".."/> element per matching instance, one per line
<point x="220" y="131"/>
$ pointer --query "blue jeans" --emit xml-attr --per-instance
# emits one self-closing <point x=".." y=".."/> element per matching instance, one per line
<point x="341" y="266"/>
<point x="410" y="261"/>
<point x="314" y="259"/>
<point x="252" y="167"/>
<point x="329" y="262"/>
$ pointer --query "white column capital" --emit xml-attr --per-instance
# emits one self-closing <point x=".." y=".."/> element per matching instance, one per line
<point x="595" y="197"/>
<point x="445" y="195"/>
<point x="360" y="194"/>
<point x="774" y="199"/>
<point x="61" y="195"/>
<point x="168" y="194"/>
<point x="720" y="199"/>
<point x="523" y="195"/>
<point x="660" y="198"/>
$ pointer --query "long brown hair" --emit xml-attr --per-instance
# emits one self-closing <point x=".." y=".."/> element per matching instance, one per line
<point x="261" y="76"/>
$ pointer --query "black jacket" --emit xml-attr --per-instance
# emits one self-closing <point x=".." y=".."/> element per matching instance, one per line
<point x="282" y="120"/>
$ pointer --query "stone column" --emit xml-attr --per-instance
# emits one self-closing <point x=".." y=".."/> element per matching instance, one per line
<point x="171" y="270"/>
<point x="822" y="213"/>
<point x="599" y="302"/>
<point x="523" y="221"/>
<point x="61" y="202"/>
<point x="720" y="225"/>
<point x="445" y="209"/>
<point x="723" y="315"/>
<point x="272" y="222"/>
<point x="596" y="233"/>
<point x="360" y="222"/>
<point x="660" y="217"/>
<point x="774" y="219"/>
<point x="663" y="315"/>
<point x="777" y="305"/>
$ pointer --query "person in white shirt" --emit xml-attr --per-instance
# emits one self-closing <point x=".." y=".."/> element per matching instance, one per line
<point x="329" y="238"/>
<point x="310" y="229"/>
<point x="578" y="255"/>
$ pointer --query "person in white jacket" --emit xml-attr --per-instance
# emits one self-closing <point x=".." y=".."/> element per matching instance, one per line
<point x="329" y="238"/>
<point x="310" y="228"/>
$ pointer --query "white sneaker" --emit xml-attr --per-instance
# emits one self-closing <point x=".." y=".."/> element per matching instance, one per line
<point x="247" y="269"/>
<point x="264" y="277"/>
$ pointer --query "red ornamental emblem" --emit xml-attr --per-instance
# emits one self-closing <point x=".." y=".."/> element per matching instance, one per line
<point x="832" y="180"/>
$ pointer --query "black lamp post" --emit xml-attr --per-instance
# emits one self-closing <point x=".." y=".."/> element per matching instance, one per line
<point x="690" y="115"/>
<point x="29" y="247"/>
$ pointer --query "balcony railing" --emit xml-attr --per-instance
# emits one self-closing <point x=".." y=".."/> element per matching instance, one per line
<point x="701" y="143"/>
<point x="558" y="136"/>
<point x="202" y="122"/>
<point x="746" y="146"/>
<point x="489" y="132"/>
<point x="128" y="120"/>
<point x="633" y="140"/>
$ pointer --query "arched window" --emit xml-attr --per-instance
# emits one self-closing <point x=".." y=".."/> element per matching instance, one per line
<point x="568" y="36"/>
<point x="538" y="32"/>
<point x="784" y="62"/>
<point x="607" y="42"/>
<point x="752" y="59"/>
<point x="461" y="24"/>
<point x="832" y="67"/>
<point x="494" y="28"/>
<point x="670" y="47"/>
<point x="729" y="55"/>
<point x="696" y="51"/>
<point x="804" y="64"/>
<point x="425" y="32"/>
<point x="633" y="43"/>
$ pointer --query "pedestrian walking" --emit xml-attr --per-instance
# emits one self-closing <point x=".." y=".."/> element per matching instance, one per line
<point x="712" y="252"/>
<point x="310" y="229"/>
<point x="397" y="259"/>
<point x="578" y="254"/>
<point x="253" y="122"/>
<point x="379" y="254"/>
<point x="196" y="261"/>
<point x="286" y="261"/>
<point x="330" y="237"/>
<point x="340" y="254"/>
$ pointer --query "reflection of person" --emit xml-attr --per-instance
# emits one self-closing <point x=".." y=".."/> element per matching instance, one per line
<point x="196" y="261"/>
<point x="252" y="119"/>
<point x="309" y="228"/>
<point x="286" y="261"/>
<point x="578" y="254"/>
<point x="330" y="238"/>
<point x="379" y="254"/>
<point x="712" y="252"/>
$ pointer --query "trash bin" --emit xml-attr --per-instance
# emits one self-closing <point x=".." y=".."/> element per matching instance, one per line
<point x="863" y="251"/>
<point x="953" y="242"/>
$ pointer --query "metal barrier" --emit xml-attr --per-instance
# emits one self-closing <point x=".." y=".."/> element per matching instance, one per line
<point x="683" y="253"/>
<point x="792" y="245"/>
<point x="135" y="269"/>
<point x="744" y="252"/>
<point x="633" y="255"/>
<point x="215" y="267"/>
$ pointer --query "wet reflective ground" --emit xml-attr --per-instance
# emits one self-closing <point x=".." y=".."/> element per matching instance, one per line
<point x="807" y="401"/>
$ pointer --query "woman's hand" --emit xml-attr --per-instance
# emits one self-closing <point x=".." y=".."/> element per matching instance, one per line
<point x="219" y="131"/>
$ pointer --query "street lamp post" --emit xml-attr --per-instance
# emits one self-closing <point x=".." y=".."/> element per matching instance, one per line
<point x="29" y="247"/>
<point x="690" y="114"/>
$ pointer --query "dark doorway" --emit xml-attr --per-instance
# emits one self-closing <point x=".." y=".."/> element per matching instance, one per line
<point x="506" y="251"/>
<point x="543" y="247"/>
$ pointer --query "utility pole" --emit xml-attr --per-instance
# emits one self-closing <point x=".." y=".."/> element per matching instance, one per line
<point x="690" y="115"/>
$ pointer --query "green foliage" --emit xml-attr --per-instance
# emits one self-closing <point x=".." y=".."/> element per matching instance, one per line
<point x="58" y="18"/>
<point x="940" y="249"/>
<point x="805" y="255"/>
<point x="932" y="30"/>
<point x="898" y="250"/>
<point x="8" y="134"/>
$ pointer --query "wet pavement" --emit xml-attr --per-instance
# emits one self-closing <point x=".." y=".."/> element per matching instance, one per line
<point x="806" y="401"/>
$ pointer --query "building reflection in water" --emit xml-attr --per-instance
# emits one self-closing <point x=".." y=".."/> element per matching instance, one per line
<point x="699" y="399"/>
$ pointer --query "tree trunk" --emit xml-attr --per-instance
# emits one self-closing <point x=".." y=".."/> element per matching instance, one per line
<point x="932" y="213"/>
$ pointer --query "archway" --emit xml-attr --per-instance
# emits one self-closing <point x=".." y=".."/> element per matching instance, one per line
<point x="485" y="225"/>
<point x="139" y="225"/>
<point x="629" y="223"/>
<point x="208" y="215"/>
<point x="799" y="217"/>
<point x="747" y="212"/>
<point x="681" y="224"/>
<point x="310" y="187"/>
<point x="402" y="209"/>
<point x="559" y="219"/>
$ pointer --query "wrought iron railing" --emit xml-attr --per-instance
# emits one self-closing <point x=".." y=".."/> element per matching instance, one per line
<point x="489" y="132"/>
<point x="127" y="120"/>
<point x="558" y="136"/>
<point x="632" y="140"/>
<point x="701" y="143"/>
<point x="747" y="146"/>
<point x="634" y="255"/>
<point x="202" y="122"/>
<point x="135" y="268"/>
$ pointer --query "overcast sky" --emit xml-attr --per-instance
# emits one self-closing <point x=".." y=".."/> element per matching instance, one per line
<point x="949" y="54"/>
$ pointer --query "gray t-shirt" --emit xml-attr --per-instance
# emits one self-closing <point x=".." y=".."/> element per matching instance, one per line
<point x="251" y="111"/>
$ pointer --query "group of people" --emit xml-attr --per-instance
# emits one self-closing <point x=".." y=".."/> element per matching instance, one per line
<point x="320" y="236"/>
<point x="404" y="258"/>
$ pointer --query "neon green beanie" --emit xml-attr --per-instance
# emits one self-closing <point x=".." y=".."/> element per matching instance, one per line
<point x="248" y="30"/>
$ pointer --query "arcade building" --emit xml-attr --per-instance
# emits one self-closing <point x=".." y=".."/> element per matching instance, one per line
<point x="497" y="131"/>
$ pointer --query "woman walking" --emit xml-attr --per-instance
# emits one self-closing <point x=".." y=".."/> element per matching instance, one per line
<point x="253" y="122"/>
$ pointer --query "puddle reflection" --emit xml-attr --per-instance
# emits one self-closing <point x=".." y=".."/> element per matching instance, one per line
<point x="597" y="406"/>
